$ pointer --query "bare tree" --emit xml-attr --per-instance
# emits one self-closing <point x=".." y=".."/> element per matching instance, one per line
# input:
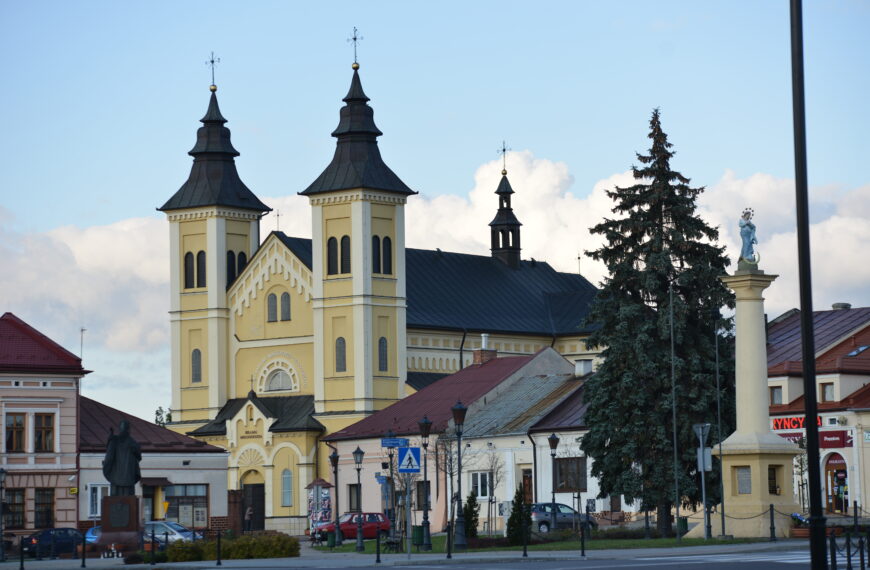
<point x="493" y="462"/>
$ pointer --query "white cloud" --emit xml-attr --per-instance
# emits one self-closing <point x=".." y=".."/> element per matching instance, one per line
<point x="113" y="279"/>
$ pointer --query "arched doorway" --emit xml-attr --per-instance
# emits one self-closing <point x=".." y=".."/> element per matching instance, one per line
<point x="836" y="484"/>
<point x="254" y="490"/>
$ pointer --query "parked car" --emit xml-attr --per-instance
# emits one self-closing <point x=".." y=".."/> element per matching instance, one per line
<point x="93" y="534"/>
<point x="51" y="541"/>
<point x="170" y="530"/>
<point x="566" y="517"/>
<point x="372" y="524"/>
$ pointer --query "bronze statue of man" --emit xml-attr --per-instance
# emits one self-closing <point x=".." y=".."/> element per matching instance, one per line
<point x="121" y="464"/>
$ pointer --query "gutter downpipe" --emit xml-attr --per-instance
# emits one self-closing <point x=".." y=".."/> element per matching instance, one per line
<point x="462" y="349"/>
<point x="534" y="467"/>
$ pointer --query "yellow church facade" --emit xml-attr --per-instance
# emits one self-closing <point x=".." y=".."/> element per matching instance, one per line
<point x="276" y="344"/>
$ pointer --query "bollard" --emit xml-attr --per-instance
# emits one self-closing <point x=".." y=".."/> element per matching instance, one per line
<point x="833" y="543"/>
<point x="848" y="551"/>
<point x="583" y="541"/>
<point x="449" y="542"/>
<point x="218" y="549"/>
<point x="855" y="515"/>
<point x="53" y="549"/>
<point x="525" y="535"/>
<point x="772" y="525"/>
<point x="378" y="547"/>
<point x="153" y="547"/>
<point x="84" y="549"/>
<point x="21" y="552"/>
<point x="861" y="551"/>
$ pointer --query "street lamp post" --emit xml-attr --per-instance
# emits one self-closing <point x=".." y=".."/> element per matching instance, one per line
<point x="459" y="419"/>
<point x="553" y="440"/>
<point x="425" y="428"/>
<point x="2" y="514"/>
<point x="392" y="488"/>
<point x="358" y="455"/>
<point x="333" y="459"/>
<point x="702" y="430"/>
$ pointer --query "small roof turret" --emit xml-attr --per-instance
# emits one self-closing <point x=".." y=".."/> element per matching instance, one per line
<point x="357" y="162"/>
<point x="214" y="180"/>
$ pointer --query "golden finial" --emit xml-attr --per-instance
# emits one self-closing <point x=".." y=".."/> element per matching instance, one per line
<point x="212" y="87"/>
<point x="355" y="66"/>
<point x="503" y="172"/>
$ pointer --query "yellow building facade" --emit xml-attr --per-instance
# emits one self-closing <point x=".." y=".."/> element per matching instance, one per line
<point x="276" y="344"/>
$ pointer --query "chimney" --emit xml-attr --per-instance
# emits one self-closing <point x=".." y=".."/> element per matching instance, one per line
<point x="484" y="354"/>
<point x="841" y="306"/>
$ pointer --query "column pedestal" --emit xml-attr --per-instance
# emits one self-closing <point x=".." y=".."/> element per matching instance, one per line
<point x="757" y="464"/>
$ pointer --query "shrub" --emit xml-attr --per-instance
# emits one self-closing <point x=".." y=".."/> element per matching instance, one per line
<point x="277" y="545"/>
<point x="179" y="551"/>
<point x="515" y="521"/>
<point x="471" y="511"/>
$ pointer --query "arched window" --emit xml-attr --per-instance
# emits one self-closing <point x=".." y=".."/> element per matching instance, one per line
<point x="231" y="267"/>
<point x="331" y="256"/>
<point x="271" y="308"/>
<point x="376" y="254"/>
<point x="286" y="488"/>
<point x="388" y="256"/>
<point x="382" y="354"/>
<point x="345" y="254"/>
<point x="200" y="269"/>
<point x="280" y="380"/>
<point x="189" y="281"/>
<point x="285" y="306"/>
<point x="196" y="365"/>
<point x="340" y="355"/>
<point x="243" y="262"/>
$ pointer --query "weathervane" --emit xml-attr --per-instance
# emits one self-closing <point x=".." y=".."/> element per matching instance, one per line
<point x="503" y="152"/>
<point x="212" y="61"/>
<point x="355" y="39"/>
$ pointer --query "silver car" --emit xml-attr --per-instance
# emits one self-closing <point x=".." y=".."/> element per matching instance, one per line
<point x="566" y="517"/>
<point x="169" y="530"/>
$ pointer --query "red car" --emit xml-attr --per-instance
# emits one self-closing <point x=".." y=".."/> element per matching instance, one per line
<point x="372" y="524"/>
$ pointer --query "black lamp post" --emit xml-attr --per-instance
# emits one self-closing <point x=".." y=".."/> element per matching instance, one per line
<point x="392" y="488"/>
<point x="425" y="428"/>
<point x="553" y="440"/>
<point x="333" y="459"/>
<point x="459" y="419"/>
<point x="2" y="513"/>
<point x="358" y="455"/>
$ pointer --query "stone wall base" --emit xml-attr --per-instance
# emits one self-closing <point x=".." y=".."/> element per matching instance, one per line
<point x="294" y="526"/>
<point x="743" y="522"/>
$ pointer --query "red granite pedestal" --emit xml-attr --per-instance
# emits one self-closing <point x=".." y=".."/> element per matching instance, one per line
<point x="120" y="525"/>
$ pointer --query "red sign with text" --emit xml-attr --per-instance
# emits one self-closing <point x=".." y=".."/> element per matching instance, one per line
<point x="794" y="422"/>
<point x="827" y="439"/>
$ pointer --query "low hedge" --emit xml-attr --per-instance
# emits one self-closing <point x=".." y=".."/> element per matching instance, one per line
<point x="277" y="545"/>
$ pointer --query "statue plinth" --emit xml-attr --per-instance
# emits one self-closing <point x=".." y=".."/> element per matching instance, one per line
<point x="757" y="464"/>
<point x="120" y="524"/>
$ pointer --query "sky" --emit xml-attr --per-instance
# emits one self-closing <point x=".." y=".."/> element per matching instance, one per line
<point x="101" y="102"/>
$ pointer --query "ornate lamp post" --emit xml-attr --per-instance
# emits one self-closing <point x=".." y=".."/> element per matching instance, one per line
<point x="2" y="513"/>
<point x="553" y="440"/>
<point x="333" y="459"/>
<point x="425" y="428"/>
<point x="459" y="419"/>
<point x="358" y="455"/>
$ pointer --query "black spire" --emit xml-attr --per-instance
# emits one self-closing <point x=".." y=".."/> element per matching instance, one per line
<point x="213" y="179"/>
<point x="357" y="162"/>
<point x="505" y="227"/>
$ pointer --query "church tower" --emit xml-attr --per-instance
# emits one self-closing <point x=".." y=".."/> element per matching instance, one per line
<point x="358" y="252"/>
<point x="505" y="227"/>
<point x="214" y="229"/>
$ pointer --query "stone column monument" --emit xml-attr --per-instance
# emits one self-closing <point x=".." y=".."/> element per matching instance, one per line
<point x="121" y="529"/>
<point x="757" y="464"/>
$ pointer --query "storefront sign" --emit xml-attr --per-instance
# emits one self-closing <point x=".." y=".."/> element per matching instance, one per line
<point x="794" y="422"/>
<point x="827" y="439"/>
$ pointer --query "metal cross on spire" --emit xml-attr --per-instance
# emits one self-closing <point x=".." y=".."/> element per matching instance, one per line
<point x="355" y="39"/>
<point x="212" y="61"/>
<point x="503" y="152"/>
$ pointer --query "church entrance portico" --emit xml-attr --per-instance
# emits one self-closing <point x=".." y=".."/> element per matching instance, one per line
<point x="254" y="495"/>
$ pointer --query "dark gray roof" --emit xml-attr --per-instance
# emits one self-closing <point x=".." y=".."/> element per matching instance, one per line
<point x="357" y="162"/>
<point x="419" y="380"/>
<point x="504" y="187"/>
<point x="213" y="179"/>
<point x="459" y="291"/>
<point x="293" y="413"/>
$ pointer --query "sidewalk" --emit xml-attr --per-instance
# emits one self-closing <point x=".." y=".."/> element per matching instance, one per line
<point x="311" y="558"/>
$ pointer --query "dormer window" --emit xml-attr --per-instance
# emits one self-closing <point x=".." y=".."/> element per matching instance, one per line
<point x="826" y="390"/>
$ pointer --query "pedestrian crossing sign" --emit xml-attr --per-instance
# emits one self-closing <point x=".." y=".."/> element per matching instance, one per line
<point x="409" y="460"/>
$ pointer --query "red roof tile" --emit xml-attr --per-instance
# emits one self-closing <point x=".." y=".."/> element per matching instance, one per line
<point x="25" y="349"/>
<point x="784" y="337"/>
<point x="435" y="401"/>
<point x="96" y="419"/>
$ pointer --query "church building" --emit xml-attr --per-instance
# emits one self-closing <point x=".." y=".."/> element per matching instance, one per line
<point x="281" y="342"/>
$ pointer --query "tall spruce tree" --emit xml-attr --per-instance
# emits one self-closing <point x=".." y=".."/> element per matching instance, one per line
<point x="655" y="240"/>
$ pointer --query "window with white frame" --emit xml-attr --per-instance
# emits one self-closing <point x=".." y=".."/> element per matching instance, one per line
<point x="480" y="484"/>
<point x="96" y="493"/>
